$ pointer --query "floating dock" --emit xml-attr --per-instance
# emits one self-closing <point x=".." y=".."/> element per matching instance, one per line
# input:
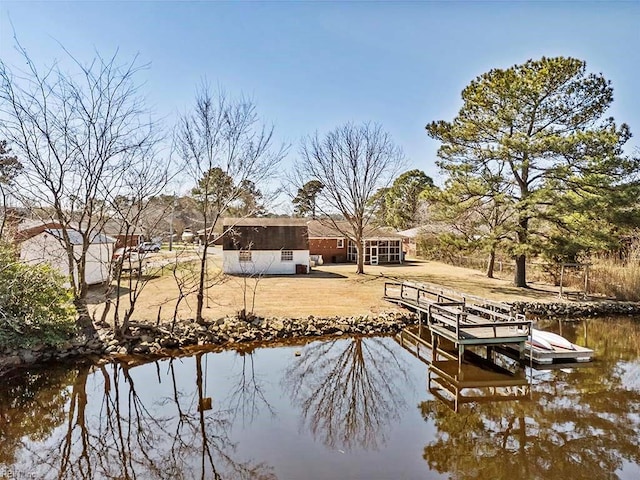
<point x="466" y="320"/>
<point x="543" y="356"/>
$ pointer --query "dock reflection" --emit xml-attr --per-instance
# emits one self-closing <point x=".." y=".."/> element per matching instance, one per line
<point x="471" y="379"/>
<point x="456" y="384"/>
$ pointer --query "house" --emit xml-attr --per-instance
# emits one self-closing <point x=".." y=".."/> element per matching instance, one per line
<point x="381" y="245"/>
<point x="212" y="234"/>
<point x="265" y="246"/>
<point x="123" y="238"/>
<point x="414" y="238"/>
<point x="326" y="241"/>
<point x="409" y="240"/>
<point x="43" y="244"/>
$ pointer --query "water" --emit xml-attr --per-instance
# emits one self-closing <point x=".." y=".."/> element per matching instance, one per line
<point x="349" y="408"/>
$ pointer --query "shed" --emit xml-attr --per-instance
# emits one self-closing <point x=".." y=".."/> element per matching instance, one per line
<point x="43" y="244"/>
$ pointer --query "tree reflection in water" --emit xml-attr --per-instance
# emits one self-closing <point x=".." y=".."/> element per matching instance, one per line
<point x="349" y="391"/>
<point x="247" y="398"/>
<point x="154" y="421"/>
<point x="583" y="422"/>
<point x="128" y="436"/>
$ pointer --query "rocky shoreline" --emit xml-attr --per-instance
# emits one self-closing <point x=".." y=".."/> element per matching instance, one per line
<point x="228" y="332"/>
<point x="576" y="310"/>
<point x="225" y="332"/>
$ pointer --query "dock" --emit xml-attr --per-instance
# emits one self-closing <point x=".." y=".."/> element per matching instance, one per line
<point x="467" y="320"/>
<point x="462" y="319"/>
<point x="559" y="355"/>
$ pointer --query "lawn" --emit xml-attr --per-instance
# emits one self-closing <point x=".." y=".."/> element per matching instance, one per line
<point x="328" y="290"/>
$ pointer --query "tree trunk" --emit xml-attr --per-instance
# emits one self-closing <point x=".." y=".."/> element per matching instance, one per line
<point x="4" y="212"/>
<point x="522" y="232"/>
<point x="201" y="284"/>
<point x="492" y="262"/>
<point x="360" y="246"/>
<point x="520" y="277"/>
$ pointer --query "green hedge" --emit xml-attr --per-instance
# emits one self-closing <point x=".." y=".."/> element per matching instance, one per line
<point x="35" y="308"/>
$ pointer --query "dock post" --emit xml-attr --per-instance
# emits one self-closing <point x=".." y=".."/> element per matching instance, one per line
<point x="522" y="351"/>
<point x="434" y="346"/>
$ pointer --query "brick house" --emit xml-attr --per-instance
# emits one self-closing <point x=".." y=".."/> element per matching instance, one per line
<point x="381" y="245"/>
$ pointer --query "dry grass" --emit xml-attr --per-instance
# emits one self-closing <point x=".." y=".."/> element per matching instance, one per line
<point x="611" y="278"/>
<point x="329" y="290"/>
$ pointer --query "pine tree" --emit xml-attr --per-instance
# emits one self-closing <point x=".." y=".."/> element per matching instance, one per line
<point x="540" y="130"/>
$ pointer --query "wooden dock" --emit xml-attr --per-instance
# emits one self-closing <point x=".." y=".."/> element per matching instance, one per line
<point x="462" y="319"/>
<point x="466" y="320"/>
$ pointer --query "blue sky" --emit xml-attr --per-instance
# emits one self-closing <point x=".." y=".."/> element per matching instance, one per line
<point x="315" y="65"/>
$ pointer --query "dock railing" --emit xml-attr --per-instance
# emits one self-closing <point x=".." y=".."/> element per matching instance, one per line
<point x="418" y="293"/>
<point x="455" y="311"/>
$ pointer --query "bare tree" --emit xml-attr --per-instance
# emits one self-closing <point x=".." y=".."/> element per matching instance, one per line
<point x="78" y="132"/>
<point x="223" y="146"/>
<point x="352" y="162"/>
<point x="146" y="179"/>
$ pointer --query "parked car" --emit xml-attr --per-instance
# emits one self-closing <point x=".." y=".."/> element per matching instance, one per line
<point x="149" y="247"/>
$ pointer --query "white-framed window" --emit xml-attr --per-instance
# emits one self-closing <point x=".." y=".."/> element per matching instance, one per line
<point x="244" y="255"/>
<point x="340" y="243"/>
<point x="286" y="255"/>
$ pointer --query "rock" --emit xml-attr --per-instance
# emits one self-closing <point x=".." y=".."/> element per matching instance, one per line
<point x="142" y="348"/>
<point x="169" y="342"/>
<point x="28" y="356"/>
<point x="11" y="360"/>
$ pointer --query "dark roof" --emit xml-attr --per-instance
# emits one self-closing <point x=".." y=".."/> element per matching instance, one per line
<point x="265" y="237"/>
<point x="263" y="221"/>
<point x="25" y="233"/>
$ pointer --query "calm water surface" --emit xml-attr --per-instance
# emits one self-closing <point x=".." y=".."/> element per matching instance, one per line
<point x="349" y="408"/>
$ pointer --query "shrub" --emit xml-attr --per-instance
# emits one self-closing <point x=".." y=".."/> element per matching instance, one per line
<point x="35" y="308"/>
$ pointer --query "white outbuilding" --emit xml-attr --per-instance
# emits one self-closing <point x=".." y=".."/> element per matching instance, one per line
<point x="43" y="244"/>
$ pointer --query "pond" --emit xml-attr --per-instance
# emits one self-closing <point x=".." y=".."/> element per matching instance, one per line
<point x="358" y="408"/>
